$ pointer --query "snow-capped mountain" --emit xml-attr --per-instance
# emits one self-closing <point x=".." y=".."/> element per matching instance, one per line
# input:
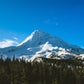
<point x="42" y="44"/>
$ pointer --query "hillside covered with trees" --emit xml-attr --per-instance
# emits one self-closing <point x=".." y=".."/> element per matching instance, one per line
<point x="16" y="71"/>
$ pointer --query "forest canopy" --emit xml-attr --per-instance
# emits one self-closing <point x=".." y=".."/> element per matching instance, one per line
<point x="16" y="71"/>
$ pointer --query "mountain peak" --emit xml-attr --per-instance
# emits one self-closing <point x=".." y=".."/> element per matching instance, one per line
<point x="34" y="35"/>
<point x="38" y="31"/>
<point x="39" y="37"/>
<point x="42" y="44"/>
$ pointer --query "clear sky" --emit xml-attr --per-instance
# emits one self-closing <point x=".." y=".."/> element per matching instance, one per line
<point x="61" y="18"/>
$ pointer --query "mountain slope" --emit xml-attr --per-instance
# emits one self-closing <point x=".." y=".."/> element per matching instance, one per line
<point x="42" y="44"/>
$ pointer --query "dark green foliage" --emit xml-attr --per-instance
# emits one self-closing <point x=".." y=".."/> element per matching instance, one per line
<point x="47" y="72"/>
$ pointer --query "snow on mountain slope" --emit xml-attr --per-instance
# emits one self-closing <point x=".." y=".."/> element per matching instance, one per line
<point x="40" y="37"/>
<point x="42" y="44"/>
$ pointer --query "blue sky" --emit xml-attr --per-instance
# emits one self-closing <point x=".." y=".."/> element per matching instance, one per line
<point x="61" y="18"/>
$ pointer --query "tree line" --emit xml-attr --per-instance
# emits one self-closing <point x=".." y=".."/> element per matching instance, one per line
<point x="69" y="71"/>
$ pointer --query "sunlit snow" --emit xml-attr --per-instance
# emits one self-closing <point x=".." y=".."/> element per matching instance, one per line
<point x="42" y="44"/>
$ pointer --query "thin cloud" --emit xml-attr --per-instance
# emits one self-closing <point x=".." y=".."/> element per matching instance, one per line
<point x="15" y="38"/>
<point x="7" y="43"/>
<point x="12" y="33"/>
<point x="52" y="21"/>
